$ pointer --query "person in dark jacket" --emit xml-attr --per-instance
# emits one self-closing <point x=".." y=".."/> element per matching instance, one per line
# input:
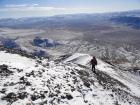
<point x="93" y="62"/>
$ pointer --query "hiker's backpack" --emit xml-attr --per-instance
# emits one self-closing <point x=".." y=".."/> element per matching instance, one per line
<point x="93" y="61"/>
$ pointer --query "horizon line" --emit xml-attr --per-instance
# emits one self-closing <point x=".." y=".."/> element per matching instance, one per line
<point x="69" y="14"/>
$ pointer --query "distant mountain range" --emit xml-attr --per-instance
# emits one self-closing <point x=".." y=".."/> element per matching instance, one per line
<point x="130" y="18"/>
<point x="130" y="21"/>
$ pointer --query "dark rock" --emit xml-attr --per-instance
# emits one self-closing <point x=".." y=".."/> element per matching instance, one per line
<point x="32" y="72"/>
<point x="32" y="89"/>
<point x="3" y="67"/>
<point x="12" y="84"/>
<point x="114" y="90"/>
<point x="72" y="89"/>
<point x="4" y="71"/>
<point x="10" y="95"/>
<point x="43" y="70"/>
<point x="42" y="96"/>
<point x="72" y="73"/>
<point x="28" y="74"/>
<point x="22" y="95"/>
<point x="33" y="97"/>
<point x="52" y="95"/>
<point x="111" y="95"/>
<point x="19" y="70"/>
<point x="85" y="101"/>
<point x="28" y="83"/>
<point x="45" y="102"/>
<point x="5" y="84"/>
<point x="22" y="78"/>
<point x="28" y="103"/>
<point x="45" y="91"/>
<point x="3" y="90"/>
<point x="63" y="97"/>
<point x="36" y="65"/>
<point x="87" y="84"/>
<point x="69" y="96"/>
<point x="58" y="91"/>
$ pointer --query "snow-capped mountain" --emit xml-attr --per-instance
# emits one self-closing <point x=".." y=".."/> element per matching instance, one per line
<point x="31" y="80"/>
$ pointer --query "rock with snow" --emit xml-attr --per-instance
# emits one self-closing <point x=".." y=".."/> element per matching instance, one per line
<point x="61" y="83"/>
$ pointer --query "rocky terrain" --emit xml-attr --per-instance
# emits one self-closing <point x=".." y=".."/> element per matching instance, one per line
<point x="30" y="80"/>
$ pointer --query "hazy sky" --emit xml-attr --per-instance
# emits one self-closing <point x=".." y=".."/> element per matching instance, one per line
<point x="28" y="8"/>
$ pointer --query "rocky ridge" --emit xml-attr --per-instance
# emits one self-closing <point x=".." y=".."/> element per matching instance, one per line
<point x="53" y="83"/>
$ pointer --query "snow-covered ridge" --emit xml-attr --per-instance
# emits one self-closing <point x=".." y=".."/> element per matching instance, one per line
<point x="131" y="80"/>
<point x="39" y="81"/>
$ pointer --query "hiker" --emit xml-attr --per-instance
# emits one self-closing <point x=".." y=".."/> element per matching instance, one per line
<point x="93" y="62"/>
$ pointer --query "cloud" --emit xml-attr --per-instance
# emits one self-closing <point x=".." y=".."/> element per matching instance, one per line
<point x="20" y="5"/>
<point x="30" y="9"/>
<point x="27" y="7"/>
<point x="14" y="5"/>
<point x="34" y="5"/>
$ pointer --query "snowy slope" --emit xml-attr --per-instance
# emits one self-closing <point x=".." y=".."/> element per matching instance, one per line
<point x="51" y="83"/>
<point x="129" y="79"/>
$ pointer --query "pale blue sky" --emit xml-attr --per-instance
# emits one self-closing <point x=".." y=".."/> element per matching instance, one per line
<point x="29" y="8"/>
